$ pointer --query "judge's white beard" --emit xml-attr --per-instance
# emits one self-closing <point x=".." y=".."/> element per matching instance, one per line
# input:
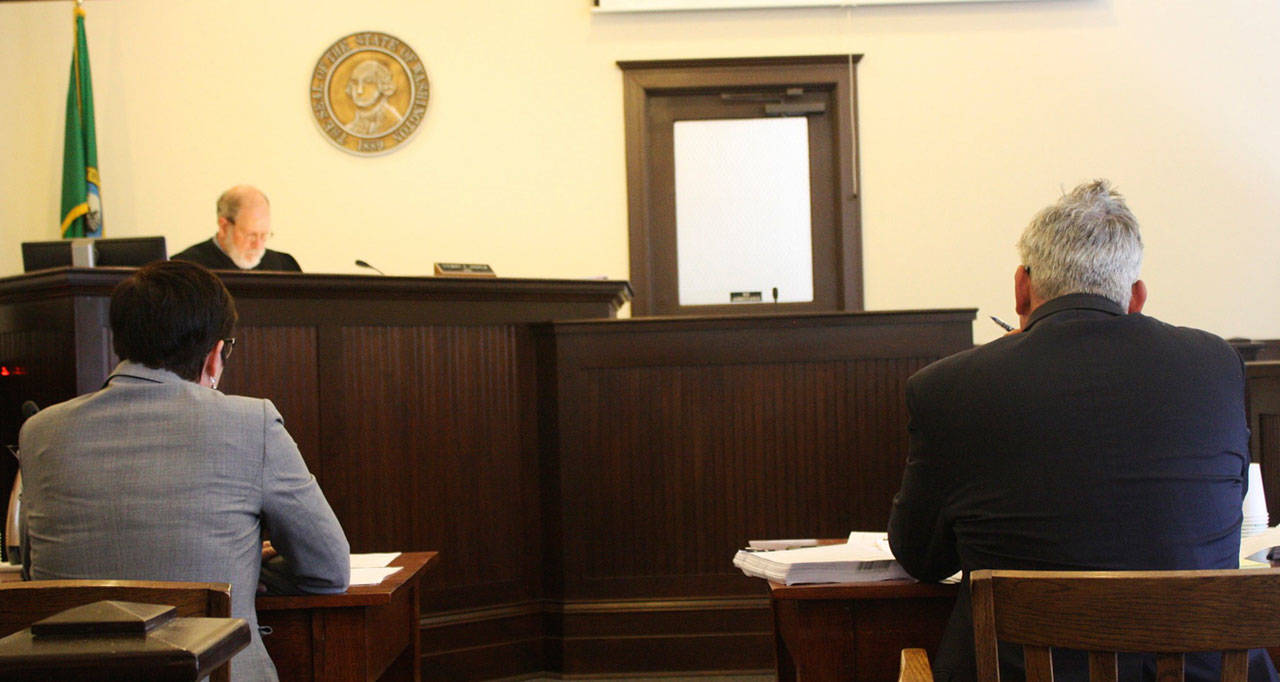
<point x="246" y="261"/>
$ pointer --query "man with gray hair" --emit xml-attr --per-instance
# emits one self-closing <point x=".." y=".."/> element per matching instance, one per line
<point x="1092" y="438"/>
<point x="244" y="226"/>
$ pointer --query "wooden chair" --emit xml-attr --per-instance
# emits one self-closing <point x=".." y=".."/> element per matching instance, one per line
<point x="23" y="603"/>
<point x="1166" y="613"/>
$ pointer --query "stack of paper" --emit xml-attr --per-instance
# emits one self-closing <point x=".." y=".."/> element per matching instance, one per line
<point x="864" y="558"/>
<point x="782" y="544"/>
<point x="371" y="569"/>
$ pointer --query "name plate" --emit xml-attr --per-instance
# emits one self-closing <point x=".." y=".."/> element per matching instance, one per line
<point x="464" y="270"/>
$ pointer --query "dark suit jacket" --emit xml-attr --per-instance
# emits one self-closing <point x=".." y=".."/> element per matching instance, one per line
<point x="208" y="254"/>
<point x="1093" y="440"/>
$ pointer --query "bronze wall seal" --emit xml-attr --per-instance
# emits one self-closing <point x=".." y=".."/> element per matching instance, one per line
<point x="369" y="93"/>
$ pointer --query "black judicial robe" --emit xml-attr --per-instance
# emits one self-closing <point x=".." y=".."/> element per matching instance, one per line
<point x="208" y="254"/>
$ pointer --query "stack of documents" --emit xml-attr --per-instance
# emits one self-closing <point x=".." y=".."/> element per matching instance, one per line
<point x="371" y="569"/>
<point x="864" y="558"/>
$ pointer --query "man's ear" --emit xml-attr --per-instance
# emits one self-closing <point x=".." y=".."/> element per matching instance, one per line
<point x="1022" y="291"/>
<point x="224" y="226"/>
<point x="211" y="370"/>
<point x="1137" y="297"/>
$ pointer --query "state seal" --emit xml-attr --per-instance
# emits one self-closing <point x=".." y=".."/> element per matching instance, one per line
<point x="369" y="93"/>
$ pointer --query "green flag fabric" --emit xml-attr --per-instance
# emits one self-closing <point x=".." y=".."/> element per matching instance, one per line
<point x="81" y="199"/>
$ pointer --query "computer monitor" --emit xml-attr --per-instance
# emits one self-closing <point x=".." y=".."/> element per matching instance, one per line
<point x="43" y="255"/>
<point x="130" y="251"/>
<point x="126" y="251"/>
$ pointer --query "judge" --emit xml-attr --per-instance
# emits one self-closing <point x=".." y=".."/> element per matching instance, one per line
<point x="244" y="225"/>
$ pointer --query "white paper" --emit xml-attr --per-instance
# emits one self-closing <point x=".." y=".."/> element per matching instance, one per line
<point x="371" y="575"/>
<point x="783" y="544"/>
<point x="863" y="558"/>
<point x="373" y="560"/>
<point x="882" y="543"/>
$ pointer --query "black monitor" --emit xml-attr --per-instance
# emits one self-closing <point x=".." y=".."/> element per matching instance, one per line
<point x="127" y="252"/>
<point x="130" y="251"/>
<point x="42" y="255"/>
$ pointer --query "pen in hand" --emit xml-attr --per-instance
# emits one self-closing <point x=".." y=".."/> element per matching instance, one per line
<point x="1004" y="325"/>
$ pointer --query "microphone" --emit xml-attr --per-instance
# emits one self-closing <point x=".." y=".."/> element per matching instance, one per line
<point x="366" y="265"/>
<point x="775" y="295"/>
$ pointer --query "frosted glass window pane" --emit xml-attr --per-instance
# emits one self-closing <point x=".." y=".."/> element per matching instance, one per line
<point x="742" y="209"/>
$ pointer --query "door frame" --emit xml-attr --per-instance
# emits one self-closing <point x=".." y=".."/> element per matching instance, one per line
<point x="652" y="251"/>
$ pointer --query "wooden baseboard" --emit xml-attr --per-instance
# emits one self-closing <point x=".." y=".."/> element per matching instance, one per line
<point x="688" y="637"/>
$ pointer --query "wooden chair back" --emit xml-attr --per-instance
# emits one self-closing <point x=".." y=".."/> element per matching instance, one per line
<point x="1166" y="613"/>
<point x="23" y="603"/>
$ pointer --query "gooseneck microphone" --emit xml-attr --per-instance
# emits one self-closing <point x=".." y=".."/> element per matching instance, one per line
<point x="366" y="265"/>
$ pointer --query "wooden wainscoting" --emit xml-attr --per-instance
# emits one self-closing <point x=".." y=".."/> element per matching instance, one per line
<point x="668" y="442"/>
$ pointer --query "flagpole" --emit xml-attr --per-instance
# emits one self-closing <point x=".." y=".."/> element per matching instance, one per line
<point x="81" y="196"/>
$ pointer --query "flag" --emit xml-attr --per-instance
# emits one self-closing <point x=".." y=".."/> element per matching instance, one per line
<point x="81" y="200"/>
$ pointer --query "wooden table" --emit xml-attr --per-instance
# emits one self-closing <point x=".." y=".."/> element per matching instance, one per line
<point x="369" y="632"/>
<point x="855" y="631"/>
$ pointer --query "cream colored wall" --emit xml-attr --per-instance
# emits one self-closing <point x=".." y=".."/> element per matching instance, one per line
<point x="972" y="117"/>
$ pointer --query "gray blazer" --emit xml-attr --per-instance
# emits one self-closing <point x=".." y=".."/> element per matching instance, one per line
<point x="157" y="478"/>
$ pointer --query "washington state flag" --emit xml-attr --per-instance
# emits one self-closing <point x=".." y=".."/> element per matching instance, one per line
<point x="81" y="201"/>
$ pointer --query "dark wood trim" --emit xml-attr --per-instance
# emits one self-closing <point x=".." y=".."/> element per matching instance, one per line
<point x="686" y="323"/>
<point x="1269" y="349"/>
<point x="814" y="337"/>
<point x="60" y="282"/>
<point x="798" y="60"/>
<point x="1262" y="381"/>
<point x="652" y="251"/>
